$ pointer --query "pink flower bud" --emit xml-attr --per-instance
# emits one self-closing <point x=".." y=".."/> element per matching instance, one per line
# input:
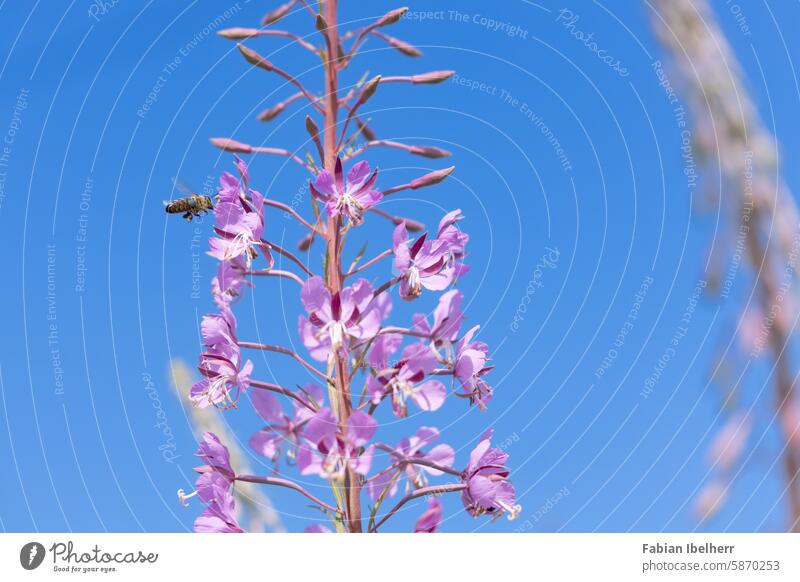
<point x="311" y="127"/>
<point x="432" y="78"/>
<point x="431" y="178"/>
<point x="278" y="13"/>
<point x="369" y="90"/>
<point x="305" y="243"/>
<point x="255" y="59"/>
<point x="238" y="33"/>
<point x="365" y="130"/>
<point x="230" y="145"/>
<point x="391" y="17"/>
<point x="428" y="152"/>
<point x="275" y="110"/>
<point x="407" y="49"/>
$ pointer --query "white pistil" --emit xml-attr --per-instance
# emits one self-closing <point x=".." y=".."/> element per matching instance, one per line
<point x="414" y="285"/>
<point x="513" y="511"/>
<point x="337" y="332"/>
<point x="183" y="497"/>
<point x="401" y="391"/>
<point x="333" y="467"/>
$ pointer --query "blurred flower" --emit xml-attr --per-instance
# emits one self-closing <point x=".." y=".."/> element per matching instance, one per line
<point x="729" y="443"/>
<point x="429" y="521"/>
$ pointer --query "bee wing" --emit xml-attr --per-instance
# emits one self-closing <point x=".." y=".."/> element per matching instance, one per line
<point x="180" y="185"/>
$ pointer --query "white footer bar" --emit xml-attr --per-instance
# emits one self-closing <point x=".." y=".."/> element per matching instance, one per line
<point x="389" y="557"/>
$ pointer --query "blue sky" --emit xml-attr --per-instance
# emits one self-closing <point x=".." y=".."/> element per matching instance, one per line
<point x="559" y="156"/>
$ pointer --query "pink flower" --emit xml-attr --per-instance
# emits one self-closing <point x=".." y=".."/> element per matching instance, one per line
<point x="470" y="368"/>
<point x="328" y="453"/>
<point x="213" y="487"/>
<point x="409" y="449"/>
<point x="432" y="264"/>
<point x="224" y="375"/>
<point x="282" y="431"/>
<point x="447" y="318"/>
<point x="333" y="320"/>
<point x="429" y="521"/>
<point x="486" y="476"/>
<point x="349" y="198"/>
<point x="405" y="381"/>
<point x="225" y="287"/>
<point x="239" y="224"/>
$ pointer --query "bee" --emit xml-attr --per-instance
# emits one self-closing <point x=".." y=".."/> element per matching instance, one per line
<point x="190" y="206"/>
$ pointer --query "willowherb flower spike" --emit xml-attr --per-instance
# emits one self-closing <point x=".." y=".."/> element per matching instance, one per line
<point x="360" y="364"/>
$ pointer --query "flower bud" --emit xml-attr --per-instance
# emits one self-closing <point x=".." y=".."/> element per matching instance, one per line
<point x="413" y="225"/>
<point x="391" y="17"/>
<point x="369" y="90"/>
<point x="428" y="152"/>
<point x="275" y="110"/>
<point x="407" y="49"/>
<point x="278" y="13"/>
<point x="305" y="243"/>
<point x="365" y="130"/>
<point x="255" y="59"/>
<point x="432" y="78"/>
<point x="272" y="112"/>
<point x="431" y="178"/>
<point x="232" y="146"/>
<point x="311" y="127"/>
<point x="238" y="33"/>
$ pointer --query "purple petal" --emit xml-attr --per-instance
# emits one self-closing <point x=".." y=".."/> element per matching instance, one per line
<point x="357" y="175"/>
<point x="267" y="443"/>
<point x="324" y="183"/>
<point x="360" y="428"/>
<point x="429" y="521"/>
<point x="441" y="455"/>
<point x="267" y="405"/>
<point x="382" y="348"/>
<point x="430" y="395"/>
<point x="314" y="294"/>
<point x="321" y="427"/>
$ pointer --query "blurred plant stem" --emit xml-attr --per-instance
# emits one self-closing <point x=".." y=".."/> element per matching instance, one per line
<point x="252" y="505"/>
<point x="739" y="157"/>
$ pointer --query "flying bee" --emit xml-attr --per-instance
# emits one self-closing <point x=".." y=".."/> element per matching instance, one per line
<point x="190" y="206"/>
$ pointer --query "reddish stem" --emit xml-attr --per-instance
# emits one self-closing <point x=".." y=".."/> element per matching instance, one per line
<point x="421" y="492"/>
<point x="277" y="481"/>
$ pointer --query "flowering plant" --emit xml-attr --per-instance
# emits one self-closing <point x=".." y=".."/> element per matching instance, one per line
<point x="331" y="430"/>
